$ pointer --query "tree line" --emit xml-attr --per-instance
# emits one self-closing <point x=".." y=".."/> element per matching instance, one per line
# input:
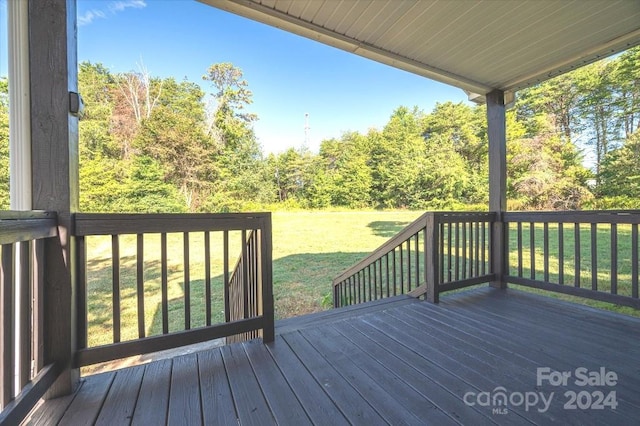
<point x="151" y="144"/>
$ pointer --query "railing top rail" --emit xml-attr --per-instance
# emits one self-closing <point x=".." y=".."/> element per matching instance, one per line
<point x="597" y="216"/>
<point x="18" y="226"/>
<point x="409" y="231"/>
<point x="452" y="217"/>
<point x="118" y="223"/>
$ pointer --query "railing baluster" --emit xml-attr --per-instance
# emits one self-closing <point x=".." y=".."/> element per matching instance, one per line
<point x="634" y="260"/>
<point x="464" y="250"/>
<point x="614" y="258"/>
<point x="386" y="259"/>
<point x="519" y="235"/>
<point x="140" y="283"/>
<point x="449" y="258"/>
<point x="483" y="249"/>
<point x="477" y="249"/>
<point x="7" y="366"/>
<point x="245" y="289"/>
<point x="417" y="260"/>
<point x="187" y="281"/>
<point x="561" y="253"/>
<point x="350" y="284"/>
<point x="164" y="283"/>
<point x="594" y="256"/>
<point x="545" y="254"/>
<point x="409" y="269"/>
<point x="532" y="249"/>
<point x="457" y="251"/>
<point x="225" y="261"/>
<point x="441" y="252"/>
<point x="577" y="248"/>
<point x="401" y="271"/>
<point x="395" y="278"/>
<point x="115" y="262"/>
<point x="207" y="277"/>
<point x="38" y="304"/>
<point x="24" y="325"/>
<point x="81" y="300"/>
<point x="375" y="280"/>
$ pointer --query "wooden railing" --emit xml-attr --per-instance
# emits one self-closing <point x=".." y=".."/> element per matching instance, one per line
<point x="209" y="305"/>
<point x="592" y="254"/>
<point x="27" y="368"/>
<point x="437" y="252"/>
<point x="245" y="301"/>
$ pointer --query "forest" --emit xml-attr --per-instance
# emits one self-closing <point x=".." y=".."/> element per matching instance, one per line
<point x="151" y="144"/>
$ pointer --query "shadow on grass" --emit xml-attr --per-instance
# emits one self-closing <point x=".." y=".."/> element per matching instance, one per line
<point x="387" y="228"/>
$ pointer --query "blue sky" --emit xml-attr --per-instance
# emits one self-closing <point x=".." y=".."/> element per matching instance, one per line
<point x="288" y="75"/>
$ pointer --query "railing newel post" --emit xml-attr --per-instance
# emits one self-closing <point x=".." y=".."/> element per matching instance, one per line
<point x="431" y="245"/>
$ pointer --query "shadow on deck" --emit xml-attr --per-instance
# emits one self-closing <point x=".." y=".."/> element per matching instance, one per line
<point x="395" y="361"/>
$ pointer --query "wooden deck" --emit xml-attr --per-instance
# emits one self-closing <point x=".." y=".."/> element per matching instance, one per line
<point x="397" y="361"/>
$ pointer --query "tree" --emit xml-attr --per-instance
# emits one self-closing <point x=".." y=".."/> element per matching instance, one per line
<point x="597" y="107"/>
<point x="243" y="172"/>
<point x="620" y="175"/>
<point x="346" y="174"/>
<point x="545" y="173"/>
<point x="174" y="136"/>
<point x="626" y="78"/>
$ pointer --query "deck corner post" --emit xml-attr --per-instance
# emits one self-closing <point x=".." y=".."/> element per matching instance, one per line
<point x="497" y="134"/>
<point x="53" y="74"/>
<point x="268" y="332"/>
<point x="431" y="256"/>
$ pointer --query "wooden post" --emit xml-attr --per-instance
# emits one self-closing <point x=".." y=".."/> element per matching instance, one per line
<point x="431" y="258"/>
<point x="496" y="128"/>
<point x="54" y="151"/>
<point x="266" y="256"/>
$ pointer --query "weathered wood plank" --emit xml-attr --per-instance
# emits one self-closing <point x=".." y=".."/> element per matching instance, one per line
<point x="391" y="397"/>
<point x="250" y="404"/>
<point x="185" y="407"/>
<point x="217" y="402"/>
<point x="284" y="405"/>
<point x="153" y="399"/>
<point x="120" y="402"/>
<point x="402" y="362"/>
<point x="317" y="404"/>
<point x="86" y="405"/>
<point x="353" y="406"/>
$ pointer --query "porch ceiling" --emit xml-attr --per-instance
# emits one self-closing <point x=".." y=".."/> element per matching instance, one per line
<point x="477" y="46"/>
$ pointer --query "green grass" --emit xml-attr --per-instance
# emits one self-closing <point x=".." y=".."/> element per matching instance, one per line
<point x="309" y="249"/>
<point x="602" y="258"/>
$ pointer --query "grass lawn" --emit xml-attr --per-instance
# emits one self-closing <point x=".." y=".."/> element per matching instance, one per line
<point x="309" y="249"/>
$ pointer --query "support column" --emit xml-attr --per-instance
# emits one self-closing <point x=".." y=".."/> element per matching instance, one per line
<point x="54" y="158"/>
<point x="19" y="113"/>
<point x="497" y="133"/>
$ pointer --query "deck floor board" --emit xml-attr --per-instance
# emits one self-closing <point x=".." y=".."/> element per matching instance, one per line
<point x="396" y="361"/>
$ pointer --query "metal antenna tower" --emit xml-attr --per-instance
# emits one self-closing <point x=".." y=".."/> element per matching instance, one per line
<point x="306" y="130"/>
